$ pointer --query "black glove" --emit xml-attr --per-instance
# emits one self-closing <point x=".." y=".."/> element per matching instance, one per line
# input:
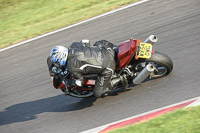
<point x="57" y="77"/>
<point x="57" y="81"/>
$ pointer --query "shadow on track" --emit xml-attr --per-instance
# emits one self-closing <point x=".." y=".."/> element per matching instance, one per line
<point x="29" y="110"/>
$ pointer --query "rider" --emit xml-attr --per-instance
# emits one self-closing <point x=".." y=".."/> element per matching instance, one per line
<point x="80" y="59"/>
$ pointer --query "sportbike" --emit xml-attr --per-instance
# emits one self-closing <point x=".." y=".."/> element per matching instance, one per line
<point x="136" y="61"/>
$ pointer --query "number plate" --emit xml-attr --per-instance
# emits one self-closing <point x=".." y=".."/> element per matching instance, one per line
<point x="145" y="50"/>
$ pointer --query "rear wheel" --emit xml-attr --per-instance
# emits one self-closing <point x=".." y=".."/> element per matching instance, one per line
<point x="161" y="62"/>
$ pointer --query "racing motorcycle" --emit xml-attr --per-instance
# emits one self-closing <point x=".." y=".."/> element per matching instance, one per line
<point x="136" y="61"/>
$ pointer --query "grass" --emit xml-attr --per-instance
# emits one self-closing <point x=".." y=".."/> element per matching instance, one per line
<point x="180" y="121"/>
<point x="23" y="19"/>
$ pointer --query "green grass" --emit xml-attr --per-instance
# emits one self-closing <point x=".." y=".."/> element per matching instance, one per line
<point x="23" y="19"/>
<point x="180" y="121"/>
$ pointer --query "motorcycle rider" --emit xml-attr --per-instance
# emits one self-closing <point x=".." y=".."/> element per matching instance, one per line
<point x="80" y="59"/>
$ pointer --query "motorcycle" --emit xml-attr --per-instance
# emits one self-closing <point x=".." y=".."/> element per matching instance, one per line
<point x="136" y="61"/>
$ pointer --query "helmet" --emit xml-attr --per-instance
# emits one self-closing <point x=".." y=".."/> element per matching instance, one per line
<point x="59" y="55"/>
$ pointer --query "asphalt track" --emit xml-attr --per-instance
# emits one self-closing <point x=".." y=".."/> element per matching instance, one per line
<point x="29" y="104"/>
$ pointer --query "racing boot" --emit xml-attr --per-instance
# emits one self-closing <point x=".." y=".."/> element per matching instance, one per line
<point x="123" y="82"/>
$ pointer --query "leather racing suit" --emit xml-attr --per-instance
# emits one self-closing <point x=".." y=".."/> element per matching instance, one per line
<point x="83" y="60"/>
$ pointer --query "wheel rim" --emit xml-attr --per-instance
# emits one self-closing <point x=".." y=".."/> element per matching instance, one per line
<point x="161" y="71"/>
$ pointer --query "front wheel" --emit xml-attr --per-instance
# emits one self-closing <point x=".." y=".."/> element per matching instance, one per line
<point x="162" y="62"/>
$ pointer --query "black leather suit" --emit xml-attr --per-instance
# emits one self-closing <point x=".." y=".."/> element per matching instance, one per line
<point x="99" y="59"/>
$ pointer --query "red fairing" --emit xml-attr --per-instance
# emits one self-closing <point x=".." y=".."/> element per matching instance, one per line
<point x="61" y="86"/>
<point x="126" y="52"/>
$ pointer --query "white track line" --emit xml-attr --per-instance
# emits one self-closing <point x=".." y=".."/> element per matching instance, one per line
<point x="196" y="103"/>
<point x="96" y="130"/>
<point x="85" y="21"/>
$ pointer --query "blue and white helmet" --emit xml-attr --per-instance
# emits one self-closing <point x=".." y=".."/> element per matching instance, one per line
<point x="59" y="55"/>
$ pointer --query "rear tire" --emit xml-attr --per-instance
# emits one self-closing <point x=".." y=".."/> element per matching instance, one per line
<point x="161" y="60"/>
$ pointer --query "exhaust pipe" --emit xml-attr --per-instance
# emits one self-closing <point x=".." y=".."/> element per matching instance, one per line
<point x="151" y="39"/>
<point x="143" y="74"/>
